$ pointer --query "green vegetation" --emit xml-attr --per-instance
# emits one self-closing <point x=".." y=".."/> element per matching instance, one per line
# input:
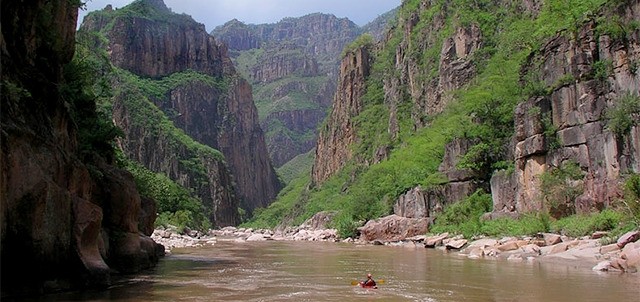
<point x="364" y="40"/>
<point x="481" y="111"/>
<point x="583" y="225"/>
<point x="91" y="80"/>
<point x="297" y="167"/>
<point x="560" y="187"/>
<point x="624" y="115"/>
<point x="83" y="90"/>
<point x="602" y="70"/>
<point x="464" y="217"/>
<point x="175" y="204"/>
<point x="632" y="197"/>
<point x="268" y="101"/>
<point x="143" y="9"/>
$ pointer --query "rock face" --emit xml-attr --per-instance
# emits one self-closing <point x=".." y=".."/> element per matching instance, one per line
<point x="393" y="228"/>
<point x="333" y="147"/>
<point x="292" y="67"/>
<point x="152" y="42"/>
<point x="318" y="34"/>
<point x="135" y="41"/>
<point x="66" y="220"/>
<point x="423" y="203"/>
<point x="160" y="152"/>
<point x="429" y="95"/>
<point x="576" y="108"/>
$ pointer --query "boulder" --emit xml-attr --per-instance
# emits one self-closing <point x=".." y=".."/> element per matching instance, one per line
<point x="551" y="239"/>
<point x="434" y="241"/>
<point x="320" y="220"/>
<point x="512" y="245"/>
<point x="256" y="237"/>
<point x="627" y="238"/>
<point x="393" y="228"/>
<point x="632" y="258"/>
<point x="563" y="247"/>
<point x="609" y="248"/>
<point x="455" y="244"/>
<point x="599" y="234"/>
<point x="602" y="266"/>
<point x="531" y="249"/>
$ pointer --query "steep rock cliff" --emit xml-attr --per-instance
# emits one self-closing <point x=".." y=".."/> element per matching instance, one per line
<point x="147" y="39"/>
<point x="339" y="134"/>
<point x="320" y="35"/>
<point x="589" y="74"/>
<point x="286" y="61"/>
<point x="150" y="41"/>
<point x="292" y="68"/>
<point x="427" y="82"/>
<point x="165" y="152"/>
<point x="67" y="219"/>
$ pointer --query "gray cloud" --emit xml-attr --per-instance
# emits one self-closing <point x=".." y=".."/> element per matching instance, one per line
<point x="216" y="12"/>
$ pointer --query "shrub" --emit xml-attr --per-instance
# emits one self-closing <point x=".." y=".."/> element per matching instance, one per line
<point x="624" y="114"/>
<point x="364" y="40"/>
<point x="463" y="217"/>
<point x="602" y="69"/>
<point x="560" y="187"/>
<point x="632" y="196"/>
<point x="582" y="225"/>
<point x="527" y="225"/>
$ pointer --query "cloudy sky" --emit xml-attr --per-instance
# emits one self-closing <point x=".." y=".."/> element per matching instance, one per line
<point x="216" y="12"/>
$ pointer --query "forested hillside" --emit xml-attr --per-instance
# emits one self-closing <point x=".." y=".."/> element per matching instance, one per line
<point x="523" y="109"/>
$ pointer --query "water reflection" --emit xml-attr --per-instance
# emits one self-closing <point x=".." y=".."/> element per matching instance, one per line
<point x="302" y="271"/>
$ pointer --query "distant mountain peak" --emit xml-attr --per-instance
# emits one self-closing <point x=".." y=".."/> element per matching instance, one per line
<point x="158" y="5"/>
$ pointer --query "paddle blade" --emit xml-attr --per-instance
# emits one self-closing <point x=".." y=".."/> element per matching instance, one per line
<point x="354" y="282"/>
<point x="381" y="281"/>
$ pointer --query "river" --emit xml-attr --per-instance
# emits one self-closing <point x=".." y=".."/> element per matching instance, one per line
<point x="313" y="271"/>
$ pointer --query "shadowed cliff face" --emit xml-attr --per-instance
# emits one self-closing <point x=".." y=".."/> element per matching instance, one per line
<point x="66" y="219"/>
<point x="153" y="42"/>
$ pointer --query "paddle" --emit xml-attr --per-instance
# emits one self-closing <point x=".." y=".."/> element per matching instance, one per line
<point x="381" y="281"/>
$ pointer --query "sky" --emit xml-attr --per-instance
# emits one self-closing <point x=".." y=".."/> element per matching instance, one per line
<point x="217" y="12"/>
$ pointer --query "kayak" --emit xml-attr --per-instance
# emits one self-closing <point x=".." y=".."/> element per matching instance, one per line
<point x="361" y="284"/>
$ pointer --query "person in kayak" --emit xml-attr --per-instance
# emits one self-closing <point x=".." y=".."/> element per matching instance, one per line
<point x="369" y="282"/>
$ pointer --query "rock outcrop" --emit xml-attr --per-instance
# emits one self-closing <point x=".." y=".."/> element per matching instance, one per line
<point x="321" y="35"/>
<point x="150" y="41"/>
<point x="460" y="183"/>
<point x="393" y="228"/>
<point x="333" y="148"/>
<point x="570" y="127"/>
<point x="66" y="219"/>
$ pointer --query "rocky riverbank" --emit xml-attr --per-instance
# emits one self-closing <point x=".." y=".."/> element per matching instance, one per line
<point x="598" y="251"/>
<point x="620" y="256"/>
<point x="314" y="229"/>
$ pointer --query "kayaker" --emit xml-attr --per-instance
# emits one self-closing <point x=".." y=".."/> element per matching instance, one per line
<point x="369" y="282"/>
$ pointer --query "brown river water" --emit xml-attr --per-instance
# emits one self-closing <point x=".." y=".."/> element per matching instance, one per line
<point x="313" y="271"/>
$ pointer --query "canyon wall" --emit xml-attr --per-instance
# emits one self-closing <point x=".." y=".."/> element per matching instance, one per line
<point x="67" y="219"/>
<point x="292" y="66"/>
<point x="590" y="74"/>
<point x="154" y="43"/>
